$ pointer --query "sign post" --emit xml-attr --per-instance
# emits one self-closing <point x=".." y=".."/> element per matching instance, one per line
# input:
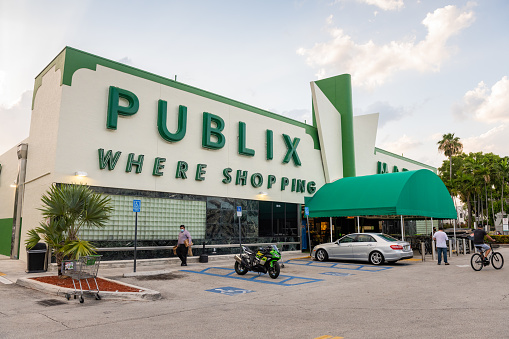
<point x="306" y="212"/>
<point x="239" y="214"/>
<point x="136" y="209"/>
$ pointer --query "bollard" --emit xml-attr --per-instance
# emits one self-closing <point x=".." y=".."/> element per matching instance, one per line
<point x="450" y="248"/>
<point x="464" y="247"/>
<point x="423" y="251"/>
<point x="457" y="247"/>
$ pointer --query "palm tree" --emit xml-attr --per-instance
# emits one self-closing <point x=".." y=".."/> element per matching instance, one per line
<point x="450" y="146"/>
<point x="66" y="209"/>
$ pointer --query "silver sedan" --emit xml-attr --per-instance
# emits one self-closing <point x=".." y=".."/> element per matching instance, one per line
<point x="373" y="247"/>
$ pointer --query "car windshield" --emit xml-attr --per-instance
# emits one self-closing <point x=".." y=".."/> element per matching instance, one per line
<point x="387" y="237"/>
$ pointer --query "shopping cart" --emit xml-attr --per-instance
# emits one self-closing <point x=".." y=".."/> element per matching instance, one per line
<point x="84" y="268"/>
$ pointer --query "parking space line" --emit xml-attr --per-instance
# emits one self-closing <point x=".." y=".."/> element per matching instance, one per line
<point x="328" y="337"/>
<point x="5" y="281"/>
<point x="257" y="278"/>
<point x="340" y="266"/>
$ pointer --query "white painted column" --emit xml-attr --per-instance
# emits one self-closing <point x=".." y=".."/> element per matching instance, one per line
<point x="330" y="220"/>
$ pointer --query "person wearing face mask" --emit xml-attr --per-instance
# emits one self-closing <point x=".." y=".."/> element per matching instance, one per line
<point x="183" y="242"/>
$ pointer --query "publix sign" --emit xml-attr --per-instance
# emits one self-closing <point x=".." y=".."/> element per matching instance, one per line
<point x="212" y="138"/>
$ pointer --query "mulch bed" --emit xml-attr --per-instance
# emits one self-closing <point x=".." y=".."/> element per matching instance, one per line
<point x="104" y="285"/>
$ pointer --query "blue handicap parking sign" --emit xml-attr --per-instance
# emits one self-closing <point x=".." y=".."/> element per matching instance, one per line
<point x="136" y="205"/>
<point x="229" y="290"/>
<point x="306" y="211"/>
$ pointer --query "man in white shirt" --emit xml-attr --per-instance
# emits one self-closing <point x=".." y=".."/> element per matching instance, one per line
<point x="441" y="238"/>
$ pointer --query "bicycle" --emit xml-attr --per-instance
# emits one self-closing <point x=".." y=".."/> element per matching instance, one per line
<point x="478" y="261"/>
<point x="427" y="247"/>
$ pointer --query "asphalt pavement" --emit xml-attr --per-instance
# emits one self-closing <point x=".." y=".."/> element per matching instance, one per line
<point x="310" y="299"/>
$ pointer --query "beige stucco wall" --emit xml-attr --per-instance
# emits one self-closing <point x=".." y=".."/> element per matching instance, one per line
<point x="9" y="162"/>
<point x="83" y="131"/>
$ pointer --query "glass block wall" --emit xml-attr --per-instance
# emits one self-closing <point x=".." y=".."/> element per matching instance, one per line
<point x="159" y="219"/>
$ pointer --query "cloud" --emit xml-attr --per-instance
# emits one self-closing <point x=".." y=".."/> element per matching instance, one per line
<point x="299" y="115"/>
<point x="401" y="146"/>
<point x="371" y="65"/>
<point x="387" y="112"/>
<point x="485" y="104"/>
<point x="15" y="120"/>
<point x="386" y="5"/>
<point x="494" y="140"/>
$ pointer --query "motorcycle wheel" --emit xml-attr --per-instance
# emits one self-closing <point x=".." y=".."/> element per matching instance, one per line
<point x="274" y="270"/>
<point x="240" y="269"/>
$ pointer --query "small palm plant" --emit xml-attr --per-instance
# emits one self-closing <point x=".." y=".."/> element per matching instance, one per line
<point x="66" y="209"/>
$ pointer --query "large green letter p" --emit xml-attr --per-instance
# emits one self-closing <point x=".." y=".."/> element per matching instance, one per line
<point x="114" y="109"/>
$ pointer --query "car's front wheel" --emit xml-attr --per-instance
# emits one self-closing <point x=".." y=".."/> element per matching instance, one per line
<point x="321" y="255"/>
<point x="376" y="258"/>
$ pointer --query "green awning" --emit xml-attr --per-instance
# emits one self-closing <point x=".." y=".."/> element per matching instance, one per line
<point x="418" y="193"/>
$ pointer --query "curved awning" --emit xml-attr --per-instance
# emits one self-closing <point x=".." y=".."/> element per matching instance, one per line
<point x="418" y="193"/>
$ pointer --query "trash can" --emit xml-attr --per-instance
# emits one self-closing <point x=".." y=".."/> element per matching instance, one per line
<point x="36" y="258"/>
<point x="203" y="257"/>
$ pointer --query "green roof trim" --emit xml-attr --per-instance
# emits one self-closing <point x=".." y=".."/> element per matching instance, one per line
<point x="414" y="194"/>
<point x="70" y="60"/>
<point x="394" y="155"/>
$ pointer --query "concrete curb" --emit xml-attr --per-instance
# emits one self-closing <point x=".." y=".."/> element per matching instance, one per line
<point x="143" y="295"/>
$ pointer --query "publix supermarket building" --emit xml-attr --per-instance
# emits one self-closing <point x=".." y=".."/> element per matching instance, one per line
<point x="189" y="155"/>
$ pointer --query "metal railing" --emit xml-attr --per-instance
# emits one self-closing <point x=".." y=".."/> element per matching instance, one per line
<point x="155" y="248"/>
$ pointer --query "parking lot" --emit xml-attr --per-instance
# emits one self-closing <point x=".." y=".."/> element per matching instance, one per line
<point x="310" y="299"/>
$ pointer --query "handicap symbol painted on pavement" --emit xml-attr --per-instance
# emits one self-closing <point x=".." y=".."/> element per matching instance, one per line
<point x="229" y="290"/>
<point x="337" y="274"/>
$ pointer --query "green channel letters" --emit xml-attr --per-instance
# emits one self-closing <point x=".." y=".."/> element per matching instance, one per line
<point x="311" y="187"/>
<point x="200" y="172"/>
<point x="181" y="170"/>
<point x="284" y="183"/>
<point x="292" y="150"/>
<point x="158" y="166"/>
<point x="241" y="178"/>
<point x="138" y="163"/>
<point x="114" y="109"/>
<point x="270" y="144"/>
<point x="227" y="177"/>
<point x="271" y="181"/>
<point x="108" y="159"/>
<point x="256" y="180"/>
<point x="208" y="131"/>
<point x="242" y="141"/>
<point x="162" y="119"/>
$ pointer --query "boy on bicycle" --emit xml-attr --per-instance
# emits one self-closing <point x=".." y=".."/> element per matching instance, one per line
<point x="479" y="234"/>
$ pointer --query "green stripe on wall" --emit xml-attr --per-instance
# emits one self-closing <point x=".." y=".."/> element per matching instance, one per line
<point x="5" y="236"/>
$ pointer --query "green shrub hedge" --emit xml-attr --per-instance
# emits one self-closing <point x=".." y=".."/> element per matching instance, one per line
<point x="501" y="239"/>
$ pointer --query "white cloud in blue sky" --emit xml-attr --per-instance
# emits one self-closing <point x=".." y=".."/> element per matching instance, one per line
<point x="371" y="64"/>
<point x="428" y="67"/>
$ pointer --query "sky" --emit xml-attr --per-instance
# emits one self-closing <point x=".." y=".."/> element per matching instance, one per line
<point x="429" y="67"/>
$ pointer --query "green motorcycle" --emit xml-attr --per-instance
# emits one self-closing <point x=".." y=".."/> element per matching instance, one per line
<point x="263" y="261"/>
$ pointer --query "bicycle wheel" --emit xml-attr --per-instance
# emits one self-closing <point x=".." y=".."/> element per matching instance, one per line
<point x="476" y="262"/>
<point x="497" y="260"/>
